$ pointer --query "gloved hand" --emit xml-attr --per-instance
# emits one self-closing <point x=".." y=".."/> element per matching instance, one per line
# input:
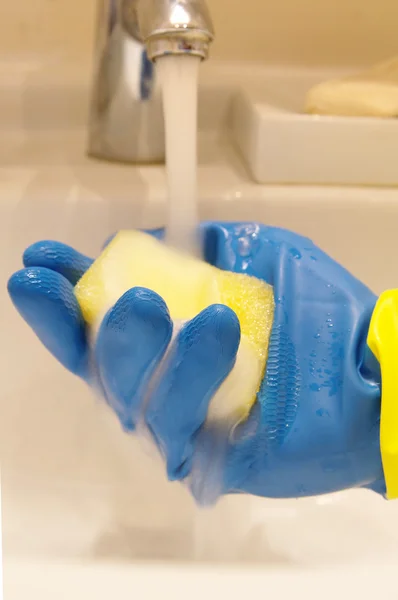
<point x="315" y="426"/>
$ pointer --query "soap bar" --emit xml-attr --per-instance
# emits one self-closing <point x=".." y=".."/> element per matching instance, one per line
<point x="188" y="285"/>
<point x="370" y="93"/>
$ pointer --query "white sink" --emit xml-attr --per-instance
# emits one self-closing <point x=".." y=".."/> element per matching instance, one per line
<point x="85" y="510"/>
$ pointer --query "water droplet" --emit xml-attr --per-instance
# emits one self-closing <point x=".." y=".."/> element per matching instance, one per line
<point x="243" y="246"/>
<point x="295" y="253"/>
<point x="317" y="336"/>
<point x="321" y="412"/>
<point x="313" y="257"/>
<point x="314" y="387"/>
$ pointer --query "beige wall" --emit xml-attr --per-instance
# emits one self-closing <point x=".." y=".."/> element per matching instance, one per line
<point x="274" y="31"/>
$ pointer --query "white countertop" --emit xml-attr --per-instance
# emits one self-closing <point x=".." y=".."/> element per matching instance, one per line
<point x="149" y="582"/>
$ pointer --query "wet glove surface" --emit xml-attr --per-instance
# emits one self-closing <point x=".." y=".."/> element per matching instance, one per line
<point x="315" y="427"/>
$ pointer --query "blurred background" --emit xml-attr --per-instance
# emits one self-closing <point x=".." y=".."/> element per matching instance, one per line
<point x="285" y="32"/>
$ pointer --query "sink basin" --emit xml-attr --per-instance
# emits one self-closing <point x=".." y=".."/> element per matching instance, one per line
<point x="85" y="508"/>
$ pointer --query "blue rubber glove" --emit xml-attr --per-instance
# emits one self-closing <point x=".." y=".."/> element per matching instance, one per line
<point x="315" y="427"/>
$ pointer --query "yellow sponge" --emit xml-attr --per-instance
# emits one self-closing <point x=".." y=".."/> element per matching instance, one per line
<point x="188" y="286"/>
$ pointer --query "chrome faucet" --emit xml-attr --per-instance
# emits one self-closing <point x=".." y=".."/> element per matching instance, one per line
<point x="126" y="116"/>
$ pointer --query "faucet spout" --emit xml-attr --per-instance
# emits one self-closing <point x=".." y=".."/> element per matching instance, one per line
<point x="169" y="26"/>
<point x="126" y="118"/>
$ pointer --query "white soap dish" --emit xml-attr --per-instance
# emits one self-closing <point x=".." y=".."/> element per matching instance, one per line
<point x="282" y="145"/>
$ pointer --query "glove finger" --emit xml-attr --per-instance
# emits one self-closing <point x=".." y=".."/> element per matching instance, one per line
<point x="46" y="301"/>
<point x="201" y="357"/>
<point x="59" y="258"/>
<point x="132" y="340"/>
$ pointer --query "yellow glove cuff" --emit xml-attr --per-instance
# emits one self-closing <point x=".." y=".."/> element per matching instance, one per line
<point x="383" y="342"/>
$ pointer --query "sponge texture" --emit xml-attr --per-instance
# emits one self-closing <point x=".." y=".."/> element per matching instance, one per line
<point x="188" y="286"/>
